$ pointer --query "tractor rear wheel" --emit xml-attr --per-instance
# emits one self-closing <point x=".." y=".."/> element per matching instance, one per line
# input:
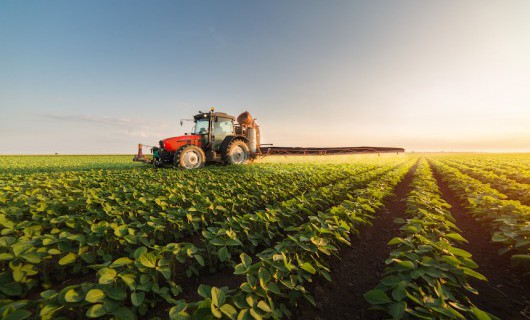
<point x="190" y="157"/>
<point x="238" y="152"/>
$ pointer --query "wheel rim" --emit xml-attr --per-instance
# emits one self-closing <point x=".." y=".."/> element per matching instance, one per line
<point x="239" y="155"/>
<point x="192" y="159"/>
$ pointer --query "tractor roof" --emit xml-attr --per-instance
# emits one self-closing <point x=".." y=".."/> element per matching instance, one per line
<point x="215" y="114"/>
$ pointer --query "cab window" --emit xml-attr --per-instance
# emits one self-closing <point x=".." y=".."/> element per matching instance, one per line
<point x="223" y="127"/>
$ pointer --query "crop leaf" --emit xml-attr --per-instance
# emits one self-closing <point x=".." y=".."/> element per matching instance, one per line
<point x="72" y="296"/>
<point x="116" y="293"/>
<point x="308" y="267"/>
<point x="148" y="260"/>
<point x="455" y="236"/>
<point x="67" y="259"/>
<point x="473" y="274"/>
<point x="204" y="291"/>
<point x="96" y="311"/>
<point x="218" y="297"/>
<point x="94" y="296"/>
<point x="264" y="306"/>
<point x="377" y="296"/>
<point x="519" y="258"/>
<point x="137" y="298"/>
<point x="229" y="311"/>
<point x="121" y="262"/>
<point x="223" y="254"/>
<point x="107" y="275"/>
<point x="479" y="314"/>
<point x="397" y="309"/>
<point x="123" y="313"/>
<point x="18" y="314"/>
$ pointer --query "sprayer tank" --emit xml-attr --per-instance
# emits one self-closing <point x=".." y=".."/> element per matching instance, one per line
<point x="252" y="140"/>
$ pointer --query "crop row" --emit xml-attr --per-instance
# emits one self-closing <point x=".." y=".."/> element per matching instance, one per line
<point x="426" y="273"/>
<point x="515" y="162"/>
<point x="48" y="163"/>
<point x="148" y="270"/>
<point x="278" y="277"/>
<point x="31" y="248"/>
<point x="245" y="233"/>
<point x="508" y="220"/>
<point x="503" y="170"/>
<point x="52" y="240"/>
<point x="511" y="167"/>
<point x="511" y="188"/>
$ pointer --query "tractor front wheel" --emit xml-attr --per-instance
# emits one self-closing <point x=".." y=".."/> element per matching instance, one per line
<point x="157" y="163"/>
<point x="237" y="152"/>
<point x="189" y="157"/>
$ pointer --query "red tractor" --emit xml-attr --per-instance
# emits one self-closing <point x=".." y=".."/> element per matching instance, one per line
<point x="216" y="137"/>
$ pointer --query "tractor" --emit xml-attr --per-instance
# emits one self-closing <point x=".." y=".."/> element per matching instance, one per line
<point x="216" y="137"/>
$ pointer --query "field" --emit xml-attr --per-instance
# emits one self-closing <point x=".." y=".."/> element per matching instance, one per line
<point x="429" y="236"/>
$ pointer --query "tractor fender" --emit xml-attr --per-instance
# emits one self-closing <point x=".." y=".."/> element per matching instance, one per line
<point x="226" y="142"/>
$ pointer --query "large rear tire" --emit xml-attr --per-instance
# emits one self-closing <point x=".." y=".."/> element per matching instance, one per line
<point x="238" y="152"/>
<point x="189" y="157"/>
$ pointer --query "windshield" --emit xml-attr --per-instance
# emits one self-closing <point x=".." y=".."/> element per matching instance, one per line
<point x="201" y="126"/>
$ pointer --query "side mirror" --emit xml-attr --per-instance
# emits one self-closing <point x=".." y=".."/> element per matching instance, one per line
<point x="181" y="122"/>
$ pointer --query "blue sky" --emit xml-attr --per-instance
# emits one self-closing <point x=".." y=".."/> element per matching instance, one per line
<point x="101" y="76"/>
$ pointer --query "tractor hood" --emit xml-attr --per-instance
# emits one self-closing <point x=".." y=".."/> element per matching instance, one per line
<point x="172" y="144"/>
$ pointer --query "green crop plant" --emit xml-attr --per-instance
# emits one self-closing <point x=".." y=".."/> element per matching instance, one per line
<point x="427" y="274"/>
<point x="98" y="236"/>
<point x="126" y="234"/>
<point x="277" y="276"/>
<point x="511" y="188"/>
<point x="508" y="220"/>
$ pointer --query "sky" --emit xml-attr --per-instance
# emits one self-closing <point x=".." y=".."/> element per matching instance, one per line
<point x="84" y="77"/>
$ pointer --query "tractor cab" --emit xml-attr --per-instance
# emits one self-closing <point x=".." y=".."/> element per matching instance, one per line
<point x="213" y="127"/>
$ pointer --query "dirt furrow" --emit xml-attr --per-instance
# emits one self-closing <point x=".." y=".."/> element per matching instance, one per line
<point x="360" y="267"/>
<point x="506" y="294"/>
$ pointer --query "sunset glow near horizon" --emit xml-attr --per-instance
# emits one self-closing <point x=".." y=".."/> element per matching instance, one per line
<point x="99" y="77"/>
